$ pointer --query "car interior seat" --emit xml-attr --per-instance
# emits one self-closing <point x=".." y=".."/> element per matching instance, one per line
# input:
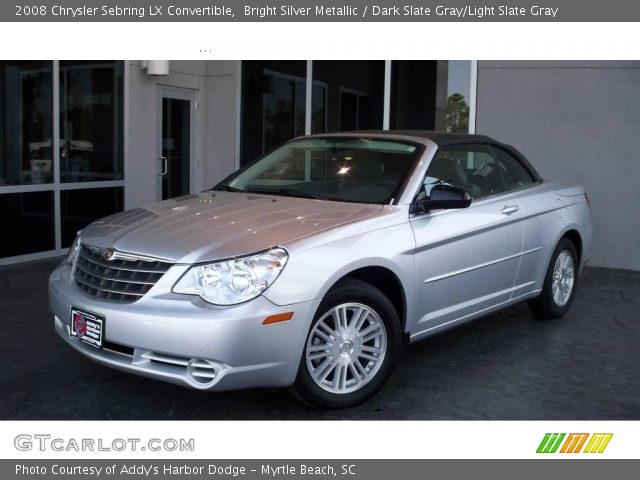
<point x="488" y="178"/>
<point x="447" y="169"/>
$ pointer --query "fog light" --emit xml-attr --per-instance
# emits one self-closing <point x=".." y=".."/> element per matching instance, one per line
<point x="203" y="372"/>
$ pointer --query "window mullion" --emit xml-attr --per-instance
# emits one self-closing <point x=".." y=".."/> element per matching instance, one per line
<point x="55" y="145"/>
<point x="308" y="98"/>
<point x="386" y="109"/>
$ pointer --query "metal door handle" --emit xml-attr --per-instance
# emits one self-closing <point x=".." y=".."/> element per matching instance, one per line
<point x="509" y="209"/>
<point x="165" y="165"/>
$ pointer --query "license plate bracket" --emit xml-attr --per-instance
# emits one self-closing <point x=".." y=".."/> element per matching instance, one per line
<point x="87" y="327"/>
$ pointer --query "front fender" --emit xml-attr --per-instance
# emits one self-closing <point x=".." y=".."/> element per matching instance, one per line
<point x="312" y="270"/>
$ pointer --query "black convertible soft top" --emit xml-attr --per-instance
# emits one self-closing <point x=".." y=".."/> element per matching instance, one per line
<point x="443" y="139"/>
<point x="446" y="139"/>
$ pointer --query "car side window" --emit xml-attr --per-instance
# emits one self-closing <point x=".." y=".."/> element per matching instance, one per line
<point x="514" y="173"/>
<point x="472" y="167"/>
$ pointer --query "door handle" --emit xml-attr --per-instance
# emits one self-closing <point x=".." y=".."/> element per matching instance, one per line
<point x="164" y="167"/>
<point x="509" y="209"/>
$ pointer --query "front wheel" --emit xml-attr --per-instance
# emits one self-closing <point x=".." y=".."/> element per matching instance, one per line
<point x="351" y="348"/>
<point x="559" y="284"/>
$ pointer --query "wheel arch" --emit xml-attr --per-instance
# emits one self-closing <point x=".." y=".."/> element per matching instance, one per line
<point x="574" y="236"/>
<point x="386" y="281"/>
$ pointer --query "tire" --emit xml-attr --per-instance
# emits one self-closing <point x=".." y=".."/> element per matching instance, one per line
<point x="549" y="305"/>
<point x="338" y="346"/>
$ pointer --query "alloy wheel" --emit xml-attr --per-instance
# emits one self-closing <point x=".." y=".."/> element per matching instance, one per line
<point x="563" y="278"/>
<point x="346" y="348"/>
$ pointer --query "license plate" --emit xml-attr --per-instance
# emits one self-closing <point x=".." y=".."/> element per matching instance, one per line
<point x="87" y="327"/>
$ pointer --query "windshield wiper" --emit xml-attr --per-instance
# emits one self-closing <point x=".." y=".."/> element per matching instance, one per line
<point x="286" y="191"/>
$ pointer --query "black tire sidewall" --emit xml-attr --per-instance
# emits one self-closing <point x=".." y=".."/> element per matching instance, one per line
<point x="352" y="291"/>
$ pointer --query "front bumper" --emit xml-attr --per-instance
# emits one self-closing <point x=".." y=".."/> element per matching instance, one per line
<point x="169" y="337"/>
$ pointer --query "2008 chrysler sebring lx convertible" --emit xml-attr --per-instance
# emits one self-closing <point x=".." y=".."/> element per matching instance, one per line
<point x="315" y="264"/>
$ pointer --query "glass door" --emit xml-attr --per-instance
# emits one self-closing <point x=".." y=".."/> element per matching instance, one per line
<point x="175" y="142"/>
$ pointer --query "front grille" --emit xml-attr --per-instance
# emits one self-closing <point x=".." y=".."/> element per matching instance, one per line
<point x="118" y="280"/>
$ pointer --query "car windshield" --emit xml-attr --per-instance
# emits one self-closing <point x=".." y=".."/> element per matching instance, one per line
<point x="361" y="170"/>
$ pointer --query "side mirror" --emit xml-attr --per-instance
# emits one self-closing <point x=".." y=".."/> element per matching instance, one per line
<point x="445" y="197"/>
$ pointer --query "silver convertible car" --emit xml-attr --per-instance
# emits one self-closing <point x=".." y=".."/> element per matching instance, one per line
<point x="314" y="265"/>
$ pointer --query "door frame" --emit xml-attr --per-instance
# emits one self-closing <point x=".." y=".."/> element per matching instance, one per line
<point x="178" y="93"/>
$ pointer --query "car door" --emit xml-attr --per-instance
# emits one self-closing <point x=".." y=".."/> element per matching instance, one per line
<point x="466" y="259"/>
<point x="539" y="210"/>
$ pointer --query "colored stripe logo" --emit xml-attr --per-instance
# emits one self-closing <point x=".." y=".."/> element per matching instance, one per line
<point x="574" y="443"/>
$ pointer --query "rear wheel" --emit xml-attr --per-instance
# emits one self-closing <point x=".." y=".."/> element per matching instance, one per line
<point x="351" y="348"/>
<point x="559" y="284"/>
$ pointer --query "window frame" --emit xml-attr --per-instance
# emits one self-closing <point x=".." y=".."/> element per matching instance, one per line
<point x="400" y="189"/>
<point x="517" y="156"/>
<point x="513" y="153"/>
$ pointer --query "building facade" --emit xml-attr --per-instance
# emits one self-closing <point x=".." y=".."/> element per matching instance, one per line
<point x="80" y="140"/>
<point x="578" y="120"/>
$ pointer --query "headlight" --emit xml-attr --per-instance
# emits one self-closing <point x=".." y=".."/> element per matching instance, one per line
<point x="73" y="251"/>
<point x="233" y="281"/>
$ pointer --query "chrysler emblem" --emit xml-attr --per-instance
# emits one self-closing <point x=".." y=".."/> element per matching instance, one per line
<point x="108" y="254"/>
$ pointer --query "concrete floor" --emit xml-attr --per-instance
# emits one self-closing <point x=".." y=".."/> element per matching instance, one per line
<point x="504" y="367"/>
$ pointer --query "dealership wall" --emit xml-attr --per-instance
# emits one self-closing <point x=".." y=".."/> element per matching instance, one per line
<point x="215" y="85"/>
<point x="579" y="121"/>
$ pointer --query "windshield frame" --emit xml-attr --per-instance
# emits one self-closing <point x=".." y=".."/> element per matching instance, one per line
<point x="418" y="154"/>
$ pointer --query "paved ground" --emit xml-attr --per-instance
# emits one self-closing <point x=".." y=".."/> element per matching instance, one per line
<point x="504" y="367"/>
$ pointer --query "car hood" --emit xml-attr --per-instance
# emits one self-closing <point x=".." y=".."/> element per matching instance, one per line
<point x="216" y="225"/>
